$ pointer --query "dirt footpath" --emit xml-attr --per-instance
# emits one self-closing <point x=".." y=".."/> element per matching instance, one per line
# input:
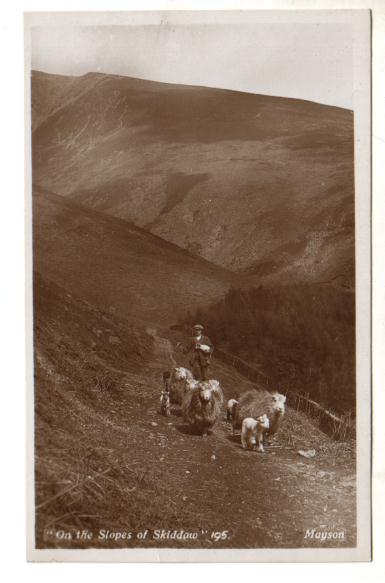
<point x="146" y="472"/>
<point x="262" y="500"/>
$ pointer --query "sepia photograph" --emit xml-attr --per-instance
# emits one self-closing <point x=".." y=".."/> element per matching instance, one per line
<point x="199" y="197"/>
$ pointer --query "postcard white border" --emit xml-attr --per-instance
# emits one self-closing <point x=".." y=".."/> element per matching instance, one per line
<point x="12" y="340"/>
<point x="361" y="23"/>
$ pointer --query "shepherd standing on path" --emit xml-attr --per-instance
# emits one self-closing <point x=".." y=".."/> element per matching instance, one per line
<point x="201" y="349"/>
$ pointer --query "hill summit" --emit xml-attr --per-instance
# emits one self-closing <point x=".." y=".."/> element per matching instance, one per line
<point x="256" y="184"/>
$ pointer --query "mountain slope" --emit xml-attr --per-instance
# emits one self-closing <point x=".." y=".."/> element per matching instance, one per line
<point x="50" y="92"/>
<point x="257" y="184"/>
<point x="118" y="266"/>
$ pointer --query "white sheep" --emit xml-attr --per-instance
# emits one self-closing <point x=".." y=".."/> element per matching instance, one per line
<point x="191" y="384"/>
<point x="230" y="409"/>
<point x="253" y="430"/>
<point x="178" y="383"/>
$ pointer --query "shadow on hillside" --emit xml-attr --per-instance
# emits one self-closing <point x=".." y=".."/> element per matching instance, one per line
<point x="187" y="430"/>
<point x="234" y="438"/>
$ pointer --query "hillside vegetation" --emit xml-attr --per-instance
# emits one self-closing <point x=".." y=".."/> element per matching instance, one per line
<point x="257" y="184"/>
<point x="117" y="266"/>
<point x="301" y="336"/>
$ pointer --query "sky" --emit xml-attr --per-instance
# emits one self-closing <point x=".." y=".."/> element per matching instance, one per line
<point x="305" y="60"/>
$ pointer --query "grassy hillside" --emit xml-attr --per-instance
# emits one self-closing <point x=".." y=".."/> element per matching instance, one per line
<point x="257" y="184"/>
<point x="50" y="92"/>
<point x="117" y="266"/>
<point x="106" y="460"/>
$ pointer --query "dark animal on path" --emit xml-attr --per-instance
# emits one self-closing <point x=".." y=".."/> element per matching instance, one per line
<point x="166" y="379"/>
<point x="230" y="409"/>
<point x="165" y="403"/>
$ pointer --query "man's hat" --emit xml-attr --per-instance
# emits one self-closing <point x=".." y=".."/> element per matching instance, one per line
<point x="198" y="327"/>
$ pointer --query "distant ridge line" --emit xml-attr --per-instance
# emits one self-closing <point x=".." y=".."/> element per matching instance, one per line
<point x="193" y="86"/>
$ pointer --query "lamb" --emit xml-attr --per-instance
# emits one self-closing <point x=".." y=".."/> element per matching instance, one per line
<point x="201" y="406"/>
<point x="252" y="432"/>
<point x="165" y="403"/>
<point x="230" y="409"/>
<point x="255" y="403"/>
<point x="178" y="384"/>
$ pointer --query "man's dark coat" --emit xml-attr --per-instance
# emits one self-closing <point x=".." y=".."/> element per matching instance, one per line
<point x="198" y="356"/>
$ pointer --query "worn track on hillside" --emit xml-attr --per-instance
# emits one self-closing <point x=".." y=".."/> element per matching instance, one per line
<point x="165" y="477"/>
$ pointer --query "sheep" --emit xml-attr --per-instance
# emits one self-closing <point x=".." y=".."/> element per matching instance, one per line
<point x="252" y="432"/>
<point x="191" y="384"/>
<point x="230" y="409"/>
<point x="165" y="403"/>
<point x="178" y="384"/>
<point x="255" y="403"/>
<point x="201" y="406"/>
